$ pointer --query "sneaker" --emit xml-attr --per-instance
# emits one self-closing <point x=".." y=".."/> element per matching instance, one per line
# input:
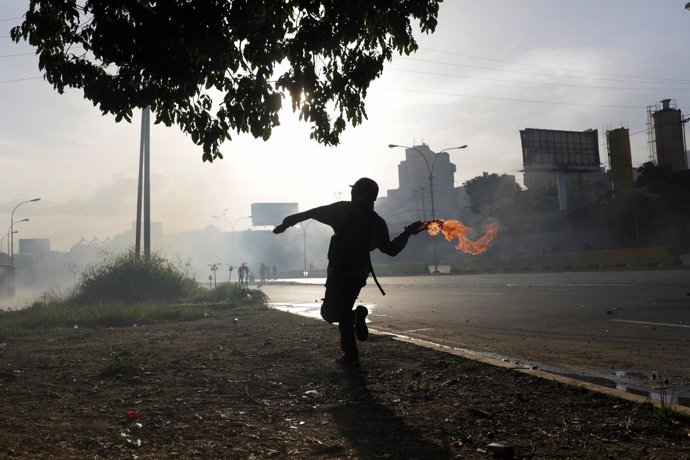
<point x="347" y="361"/>
<point x="361" y="330"/>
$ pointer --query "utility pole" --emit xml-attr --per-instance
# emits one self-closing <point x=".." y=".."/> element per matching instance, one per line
<point x="144" y="183"/>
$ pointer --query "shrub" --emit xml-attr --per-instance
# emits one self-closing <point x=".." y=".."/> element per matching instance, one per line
<point x="231" y="292"/>
<point x="129" y="278"/>
<point x="125" y="290"/>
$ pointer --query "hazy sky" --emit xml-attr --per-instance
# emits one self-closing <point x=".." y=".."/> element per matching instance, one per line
<point x="493" y="67"/>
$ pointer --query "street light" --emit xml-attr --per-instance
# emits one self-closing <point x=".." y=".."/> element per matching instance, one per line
<point x="9" y="229"/>
<point x="2" y="242"/>
<point x="430" y="169"/>
<point x="224" y="217"/>
<point x="12" y="228"/>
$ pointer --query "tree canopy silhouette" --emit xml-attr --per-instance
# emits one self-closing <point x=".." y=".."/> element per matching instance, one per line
<point x="213" y="67"/>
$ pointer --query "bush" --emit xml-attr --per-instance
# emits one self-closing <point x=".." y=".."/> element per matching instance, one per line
<point x="231" y="292"/>
<point x="131" y="278"/>
<point x="125" y="290"/>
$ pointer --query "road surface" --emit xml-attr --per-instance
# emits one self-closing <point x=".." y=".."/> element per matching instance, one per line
<point x="627" y="326"/>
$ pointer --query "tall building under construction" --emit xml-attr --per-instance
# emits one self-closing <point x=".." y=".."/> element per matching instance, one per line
<point x="620" y="159"/>
<point x="667" y="135"/>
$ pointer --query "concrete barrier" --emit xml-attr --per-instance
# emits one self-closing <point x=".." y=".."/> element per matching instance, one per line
<point x="586" y="260"/>
<point x="404" y="269"/>
<point x="415" y="268"/>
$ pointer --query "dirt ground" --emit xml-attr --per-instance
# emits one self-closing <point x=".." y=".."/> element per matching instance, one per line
<point x="266" y="386"/>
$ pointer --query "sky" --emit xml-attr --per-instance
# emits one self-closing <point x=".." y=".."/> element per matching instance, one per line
<point x="492" y="68"/>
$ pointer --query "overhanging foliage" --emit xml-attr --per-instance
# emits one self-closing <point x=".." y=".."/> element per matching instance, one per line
<point x="213" y="67"/>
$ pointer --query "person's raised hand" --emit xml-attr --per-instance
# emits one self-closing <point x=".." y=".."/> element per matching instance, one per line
<point x="414" y="228"/>
<point x="280" y="228"/>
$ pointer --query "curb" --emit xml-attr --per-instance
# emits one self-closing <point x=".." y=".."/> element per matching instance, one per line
<point x="536" y="372"/>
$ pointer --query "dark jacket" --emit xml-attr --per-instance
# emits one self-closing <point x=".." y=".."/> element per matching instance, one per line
<point x="358" y="230"/>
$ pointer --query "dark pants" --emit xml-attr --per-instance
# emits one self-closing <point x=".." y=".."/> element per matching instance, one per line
<point x="338" y="302"/>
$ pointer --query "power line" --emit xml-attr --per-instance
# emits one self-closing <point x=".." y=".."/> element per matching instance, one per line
<point x="539" y="83"/>
<point x="507" y="99"/>
<point x="11" y="19"/>
<point x="19" y="79"/>
<point x="429" y="61"/>
<point x="473" y="96"/>
<point x="553" y="68"/>
<point x="14" y="55"/>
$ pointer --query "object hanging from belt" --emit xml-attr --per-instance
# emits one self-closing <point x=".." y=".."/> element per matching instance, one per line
<point x="371" y="269"/>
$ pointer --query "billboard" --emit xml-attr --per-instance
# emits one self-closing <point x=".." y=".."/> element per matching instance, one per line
<point x="29" y="245"/>
<point x="271" y="213"/>
<point x="548" y="150"/>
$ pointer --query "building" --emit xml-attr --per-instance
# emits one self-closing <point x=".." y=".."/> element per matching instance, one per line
<point x="620" y="160"/>
<point x="667" y="135"/>
<point x="411" y="201"/>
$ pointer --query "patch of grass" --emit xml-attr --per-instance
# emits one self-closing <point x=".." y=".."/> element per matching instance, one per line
<point x="231" y="292"/>
<point x="43" y="317"/>
<point x="125" y="290"/>
<point x="647" y="419"/>
<point x="470" y="365"/>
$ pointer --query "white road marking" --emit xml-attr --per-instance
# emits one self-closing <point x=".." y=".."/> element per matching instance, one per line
<point x="417" y="330"/>
<point x="650" y="323"/>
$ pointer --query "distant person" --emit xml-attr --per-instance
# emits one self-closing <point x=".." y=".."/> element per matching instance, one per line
<point x="240" y="274"/>
<point x="275" y="272"/>
<point x="358" y="230"/>
<point x="230" y="269"/>
<point x="245" y="275"/>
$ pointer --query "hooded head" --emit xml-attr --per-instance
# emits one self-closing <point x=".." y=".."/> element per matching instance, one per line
<point x="364" y="189"/>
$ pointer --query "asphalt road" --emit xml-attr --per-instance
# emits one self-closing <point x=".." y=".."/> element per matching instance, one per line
<point x="629" y="325"/>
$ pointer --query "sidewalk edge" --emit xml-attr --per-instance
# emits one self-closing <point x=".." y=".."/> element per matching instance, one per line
<point x="536" y="372"/>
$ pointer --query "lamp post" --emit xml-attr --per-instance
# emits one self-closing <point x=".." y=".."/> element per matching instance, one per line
<point x="232" y="236"/>
<point x="12" y="228"/>
<point x="422" y="190"/>
<point x="224" y="217"/>
<point x="7" y="234"/>
<point x="2" y="242"/>
<point x="430" y="169"/>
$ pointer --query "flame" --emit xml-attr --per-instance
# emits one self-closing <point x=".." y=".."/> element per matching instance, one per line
<point x="455" y="229"/>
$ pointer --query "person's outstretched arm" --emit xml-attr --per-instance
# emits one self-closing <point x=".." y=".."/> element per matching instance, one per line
<point x="329" y="215"/>
<point x="393" y="248"/>
<point x="292" y="219"/>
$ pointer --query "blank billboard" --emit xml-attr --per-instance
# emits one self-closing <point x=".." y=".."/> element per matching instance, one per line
<point x="547" y="149"/>
<point x="29" y="245"/>
<point x="271" y="213"/>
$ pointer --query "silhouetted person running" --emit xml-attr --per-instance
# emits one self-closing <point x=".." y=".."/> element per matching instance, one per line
<point x="358" y="230"/>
